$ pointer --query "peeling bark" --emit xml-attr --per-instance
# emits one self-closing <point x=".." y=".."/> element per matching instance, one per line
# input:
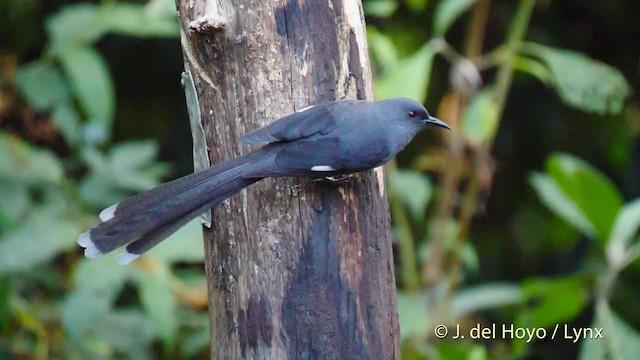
<point x="295" y="269"/>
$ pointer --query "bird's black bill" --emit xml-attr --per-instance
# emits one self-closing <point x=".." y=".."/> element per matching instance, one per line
<point x="435" y="121"/>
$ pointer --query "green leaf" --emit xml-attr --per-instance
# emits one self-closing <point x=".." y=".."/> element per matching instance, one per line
<point x="582" y="82"/>
<point x="469" y="257"/>
<point x="555" y="199"/>
<point x="619" y="252"/>
<point x="416" y="5"/>
<point x="82" y="24"/>
<point x="534" y="68"/>
<point x="6" y="313"/>
<point x="408" y="78"/>
<point x="99" y="191"/>
<point x="633" y="252"/>
<point x="196" y="343"/>
<point x="138" y="20"/>
<point x="43" y="235"/>
<point x="42" y="85"/>
<point x="97" y="282"/>
<point x="580" y="194"/>
<point x="91" y="83"/>
<point x="380" y="8"/>
<point x="67" y="122"/>
<point x="485" y="297"/>
<point x="381" y="47"/>
<point x="128" y="331"/>
<point x="183" y="246"/>
<point x="80" y="310"/>
<point x="26" y="164"/>
<point x="593" y="193"/>
<point x="131" y="166"/>
<point x="15" y="201"/>
<point x="619" y="340"/>
<point x="101" y="276"/>
<point x="73" y="26"/>
<point x="162" y="7"/>
<point x="456" y="350"/>
<point x="159" y="300"/>
<point x="554" y="301"/>
<point x="626" y="224"/>
<point x="447" y="12"/>
<point x="413" y="315"/>
<point x="413" y="188"/>
<point x="133" y="155"/>
<point x="480" y="120"/>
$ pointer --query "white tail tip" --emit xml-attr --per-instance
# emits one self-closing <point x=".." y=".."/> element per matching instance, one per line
<point x="126" y="257"/>
<point x="323" y="168"/>
<point x="90" y="249"/>
<point x="305" y="109"/>
<point x="107" y="214"/>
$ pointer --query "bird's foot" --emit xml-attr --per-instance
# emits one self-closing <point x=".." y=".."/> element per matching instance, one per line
<point x="339" y="179"/>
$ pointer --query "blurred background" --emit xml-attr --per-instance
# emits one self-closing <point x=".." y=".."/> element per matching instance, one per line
<point x="526" y="214"/>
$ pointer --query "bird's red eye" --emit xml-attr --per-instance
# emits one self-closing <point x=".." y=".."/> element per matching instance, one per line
<point x="412" y="114"/>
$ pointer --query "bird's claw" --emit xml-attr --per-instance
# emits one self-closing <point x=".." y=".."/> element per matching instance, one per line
<point x="339" y="179"/>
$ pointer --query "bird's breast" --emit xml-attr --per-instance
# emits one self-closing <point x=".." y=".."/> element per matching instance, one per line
<point x="364" y="152"/>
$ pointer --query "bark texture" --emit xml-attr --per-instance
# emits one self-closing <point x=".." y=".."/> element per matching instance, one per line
<point x="295" y="269"/>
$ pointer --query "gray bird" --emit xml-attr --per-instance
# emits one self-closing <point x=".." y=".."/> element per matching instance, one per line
<point x="325" y="140"/>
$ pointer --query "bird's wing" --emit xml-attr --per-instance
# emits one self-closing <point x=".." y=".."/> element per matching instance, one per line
<point x="319" y="155"/>
<point x="313" y="120"/>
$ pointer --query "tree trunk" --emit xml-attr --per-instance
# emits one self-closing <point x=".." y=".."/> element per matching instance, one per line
<point x="295" y="268"/>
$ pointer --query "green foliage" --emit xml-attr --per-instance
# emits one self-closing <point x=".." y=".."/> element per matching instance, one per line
<point x="42" y="85"/>
<point x="626" y="224"/>
<point x="534" y="68"/>
<point x="413" y="188"/>
<point x="159" y="300"/>
<point x="96" y="285"/>
<point x="381" y="48"/>
<point x="128" y="167"/>
<point x="73" y="32"/>
<point x="138" y="20"/>
<point x="84" y="23"/>
<point x="54" y="303"/>
<point x="579" y="194"/>
<point x="486" y="297"/>
<point x="620" y="250"/>
<point x="127" y="331"/>
<point x="619" y="340"/>
<point x="413" y="315"/>
<point x="480" y="120"/>
<point x="22" y="163"/>
<point x="380" y="8"/>
<point x="416" y="5"/>
<point x="554" y="301"/>
<point x="582" y="82"/>
<point x="596" y="210"/>
<point x="98" y="282"/>
<point x="47" y="201"/>
<point x="43" y="234"/>
<point x="447" y="12"/>
<point x="185" y="246"/>
<point x="15" y="201"/>
<point x="452" y="350"/>
<point x="90" y="81"/>
<point x="67" y="121"/>
<point x="408" y="77"/>
<point x="73" y="26"/>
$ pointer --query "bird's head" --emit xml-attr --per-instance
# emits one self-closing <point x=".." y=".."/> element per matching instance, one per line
<point x="413" y="112"/>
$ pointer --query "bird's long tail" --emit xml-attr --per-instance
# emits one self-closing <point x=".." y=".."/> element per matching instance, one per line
<point x="144" y="220"/>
